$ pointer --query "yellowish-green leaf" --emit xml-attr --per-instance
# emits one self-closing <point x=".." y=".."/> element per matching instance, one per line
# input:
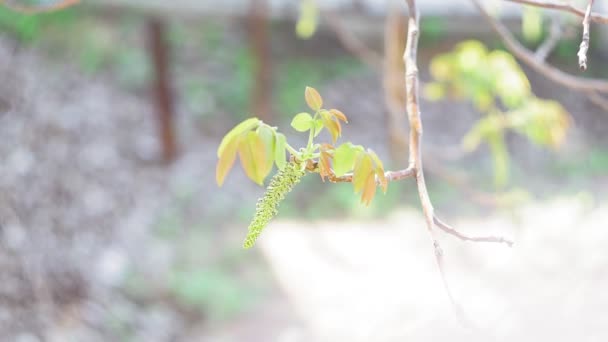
<point x="486" y="127"/>
<point x="379" y="169"/>
<point x="252" y="154"/>
<point x="279" y="151"/>
<point x="332" y="126"/>
<point x="471" y="54"/>
<point x="308" y="20"/>
<point x="500" y="158"/>
<point x="302" y="122"/>
<point x="363" y="168"/>
<point x="375" y="158"/>
<point x="226" y="161"/>
<point x="532" y="24"/>
<point x="434" y="91"/>
<point x="266" y="134"/>
<point x="544" y="122"/>
<point x="242" y="127"/>
<point x="313" y="98"/>
<point x="344" y="159"/>
<point x="369" y="189"/>
<point x="338" y="115"/>
<point x="442" y="67"/>
<point x="318" y="126"/>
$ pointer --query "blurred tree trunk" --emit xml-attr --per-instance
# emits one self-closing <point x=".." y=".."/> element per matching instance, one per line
<point x="159" y="53"/>
<point x="258" y="29"/>
<point x="394" y="83"/>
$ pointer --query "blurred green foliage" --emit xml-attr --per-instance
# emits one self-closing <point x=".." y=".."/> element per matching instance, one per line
<point x="591" y="164"/>
<point x="498" y="88"/>
<point x="295" y="74"/>
<point x="234" y="95"/>
<point x="308" y="20"/>
<point x="432" y="29"/>
<point x="532" y="24"/>
<point x="28" y="27"/>
<point x="213" y="291"/>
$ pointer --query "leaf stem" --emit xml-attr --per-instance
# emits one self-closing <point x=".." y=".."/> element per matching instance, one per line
<point x="311" y="135"/>
<point x="292" y="150"/>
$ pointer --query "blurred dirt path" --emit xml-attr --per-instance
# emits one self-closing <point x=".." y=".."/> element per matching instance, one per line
<point x="377" y="281"/>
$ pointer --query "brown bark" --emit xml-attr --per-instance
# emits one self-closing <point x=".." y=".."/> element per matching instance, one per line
<point x="259" y="38"/>
<point x="394" y="84"/>
<point x="161" y="87"/>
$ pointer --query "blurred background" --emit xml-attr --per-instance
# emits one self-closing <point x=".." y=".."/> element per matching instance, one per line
<point x="112" y="227"/>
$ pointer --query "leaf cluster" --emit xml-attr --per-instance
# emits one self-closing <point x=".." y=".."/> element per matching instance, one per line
<point x="260" y="146"/>
<point x="497" y="86"/>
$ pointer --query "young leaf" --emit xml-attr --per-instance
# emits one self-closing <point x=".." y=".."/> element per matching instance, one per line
<point x="226" y="161"/>
<point x="318" y="126"/>
<point x="344" y="158"/>
<point x="332" y="126"/>
<point x="243" y="127"/>
<point x="369" y="190"/>
<point x="302" y="122"/>
<point x="267" y="135"/>
<point x="338" y="115"/>
<point x="252" y="153"/>
<point x="324" y="165"/>
<point x="313" y="98"/>
<point x="279" y="151"/>
<point x="379" y="169"/>
<point x="325" y="160"/>
<point x="363" y="168"/>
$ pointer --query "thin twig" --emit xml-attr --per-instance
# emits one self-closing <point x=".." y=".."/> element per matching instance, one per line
<point x="555" y="34"/>
<point x="415" y="155"/>
<point x="389" y="175"/>
<point x="448" y="229"/>
<point x="598" y="100"/>
<point x="526" y="56"/>
<point x="566" y="7"/>
<point x="582" y="51"/>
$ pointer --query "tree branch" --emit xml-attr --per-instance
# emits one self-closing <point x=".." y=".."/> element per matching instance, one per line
<point x="448" y="229"/>
<point x="598" y="100"/>
<point x="526" y="56"/>
<point x="555" y="34"/>
<point x="582" y="51"/>
<point x="562" y="6"/>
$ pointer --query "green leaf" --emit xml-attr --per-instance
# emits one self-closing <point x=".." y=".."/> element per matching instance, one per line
<point x="338" y="115"/>
<point x="252" y="153"/>
<point x="434" y="91"/>
<point x="279" y="151"/>
<point x="369" y="189"/>
<point x="379" y="169"/>
<point x="332" y="126"/>
<point x="363" y="169"/>
<point x="226" y="161"/>
<point x="302" y="122"/>
<point x="532" y="24"/>
<point x="375" y="158"/>
<point x="308" y="20"/>
<point x="243" y="127"/>
<point x="500" y="158"/>
<point x="344" y="159"/>
<point x="267" y="135"/>
<point x="318" y="126"/>
<point x="313" y="98"/>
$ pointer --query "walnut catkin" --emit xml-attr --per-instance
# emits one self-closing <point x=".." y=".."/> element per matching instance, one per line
<point x="267" y="206"/>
